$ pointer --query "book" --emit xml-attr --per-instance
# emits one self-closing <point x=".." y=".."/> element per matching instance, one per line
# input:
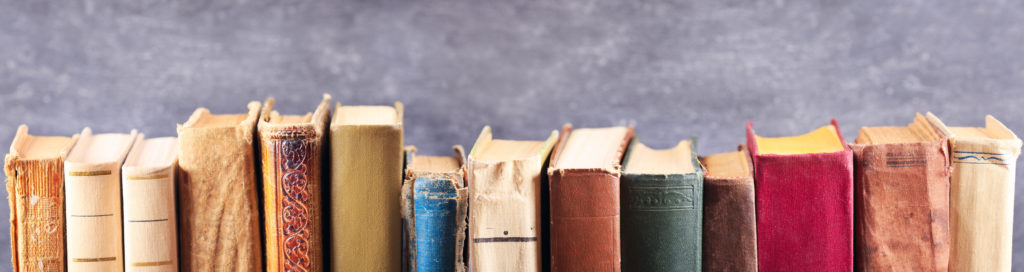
<point x="35" y="191"/>
<point x="584" y="177"/>
<point x="434" y="206"/>
<point x="150" y="223"/>
<point x="804" y="200"/>
<point x="662" y="204"/>
<point x="505" y="197"/>
<point x="730" y="225"/>
<point x="366" y="187"/>
<point x="219" y="227"/>
<point x="981" y="191"/>
<point x="901" y="198"/>
<point x="92" y="175"/>
<point x="292" y="156"/>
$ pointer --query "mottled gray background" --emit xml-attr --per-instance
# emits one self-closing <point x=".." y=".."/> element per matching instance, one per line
<point x="671" y="68"/>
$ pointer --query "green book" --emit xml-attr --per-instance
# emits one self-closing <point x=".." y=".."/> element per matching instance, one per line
<point x="662" y="205"/>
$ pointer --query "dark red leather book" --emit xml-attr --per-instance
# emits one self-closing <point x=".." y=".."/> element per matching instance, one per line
<point x="804" y="201"/>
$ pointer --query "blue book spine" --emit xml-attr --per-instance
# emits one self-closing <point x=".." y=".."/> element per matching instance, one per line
<point x="436" y="214"/>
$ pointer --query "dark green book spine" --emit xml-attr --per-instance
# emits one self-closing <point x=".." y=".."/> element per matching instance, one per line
<point x="662" y="221"/>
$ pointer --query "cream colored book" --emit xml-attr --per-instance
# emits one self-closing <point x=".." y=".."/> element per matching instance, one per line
<point x="92" y="175"/>
<point x="505" y="202"/>
<point x="984" y="161"/>
<point x="150" y="226"/>
<point x="365" y="221"/>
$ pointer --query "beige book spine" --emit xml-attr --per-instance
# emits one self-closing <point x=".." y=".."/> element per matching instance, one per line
<point x="150" y="226"/>
<point x="365" y="190"/>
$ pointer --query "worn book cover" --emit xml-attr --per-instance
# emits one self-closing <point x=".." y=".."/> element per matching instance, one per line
<point x="291" y="155"/>
<point x="504" y="178"/>
<point x="93" y="189"/>
<point x="804" y="200"/>
<point x="150" y="226"/>
<point x="365" y="222"/>
<point x="584" y="176"/>
<point x="434" y="206"/>
<point x="730" y="227"/>
<point x="219" y="227"/>
<point x="662" y="205"/>
<point x="35" y="191"/>
<point x="901" y="198"/>
<point x="984" y="161"/>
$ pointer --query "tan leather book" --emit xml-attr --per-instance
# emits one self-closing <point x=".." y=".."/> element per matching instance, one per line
<point x="984" y="161"/>
<point x="217" y="209"/>
<point x="150" y="226"/>
<point x="35" y="191"/>
<point x="730" y="224"/>
<point x="365" y="195"/>
<point x="292" y="154"/>
<point x="92" y="173"/>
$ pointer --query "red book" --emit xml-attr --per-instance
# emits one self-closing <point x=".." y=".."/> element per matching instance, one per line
<point x="804" y="201"/>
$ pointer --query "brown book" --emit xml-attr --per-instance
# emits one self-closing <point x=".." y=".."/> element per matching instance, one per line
<point x="901" y="198"/>
<point x="730" y="225"/>
<point x="584" y="175"/>
<point x="35" y="191"/>
<point x="218" y="216"/>
<point x="292" y="153"/>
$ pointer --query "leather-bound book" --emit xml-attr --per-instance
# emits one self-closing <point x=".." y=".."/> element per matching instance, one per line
<point x="292" y="154"/>
<point x="35" y="191"/>
<point x="984" y="162"/>
<point x="218" y="216"/>
<point x="804" y="193"/>
<point x="434" y="211"/>
<point x="366" y="188"/>
<point x="901" y="198"/>
<point x="504" y="178"/>
<point x="92" y="173"/>
<point x="150" y="226"/>
<point x="584" y="176"/>
<point x="730" y="227"/>
<point x="662" y="192"/>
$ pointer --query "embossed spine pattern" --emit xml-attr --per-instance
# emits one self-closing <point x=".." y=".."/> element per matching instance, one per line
<point x="150" y="226"/>
<point x="35" y="191"/>
<point x="730" y="230"/>
<point x="218" y="213"/>
<point x="804" y="209"/>
<point x="661" y="220"/>
<point x="291" y="155"/>
<point x="434" y="209"/>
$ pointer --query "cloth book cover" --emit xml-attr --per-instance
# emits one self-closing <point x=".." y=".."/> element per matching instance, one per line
<point x="730" y="225"/>
<point x="804" y="200"/>
<point x="150" y="226"/>
<point x="434" y="209"/>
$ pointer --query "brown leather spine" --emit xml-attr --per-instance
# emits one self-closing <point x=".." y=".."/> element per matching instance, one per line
<point x="730" y="225"/>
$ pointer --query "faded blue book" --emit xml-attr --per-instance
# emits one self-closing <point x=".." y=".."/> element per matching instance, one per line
<point x="434" y="207"/>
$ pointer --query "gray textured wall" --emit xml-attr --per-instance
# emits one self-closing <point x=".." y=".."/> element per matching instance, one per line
<point x="672" y="68"/>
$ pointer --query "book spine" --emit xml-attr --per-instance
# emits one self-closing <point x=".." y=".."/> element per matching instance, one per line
<point x="150" y="226"/>
<point x="365" y="191"/>
<point x="981" y="201"/>
<point x="504" y="215"/>
<point x="661" y="222"/>
<point x="901" y="201"/>
<point x="291" y="160"/>
<point x="436" y="208"/>
<point x="35" y="189"/>
<point x="730" y="230"/>
<point x="585" y="220"/>
<point x="94" y="236"/>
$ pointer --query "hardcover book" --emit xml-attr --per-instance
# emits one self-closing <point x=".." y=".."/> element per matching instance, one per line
<point x="584" y="177"/>
<point x="730" y="230"/>
<point x="804" y="200"/>
<point x="505" y="227"/>
<point x="662" y="205"/>
<point x="292" y="155"/>
<point x="219" y="227"/>
<point x="366" y="187"/>
<point x="92" y="173"/>
<point x="901" y="198"/>
<point x="984" y="161"/>
<point x="150" y="226"/>
<point x="35" y="191"/>
<point x="434" y="210"/>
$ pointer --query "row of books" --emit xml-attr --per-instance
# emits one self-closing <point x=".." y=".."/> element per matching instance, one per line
<point x="341" y="192"/>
